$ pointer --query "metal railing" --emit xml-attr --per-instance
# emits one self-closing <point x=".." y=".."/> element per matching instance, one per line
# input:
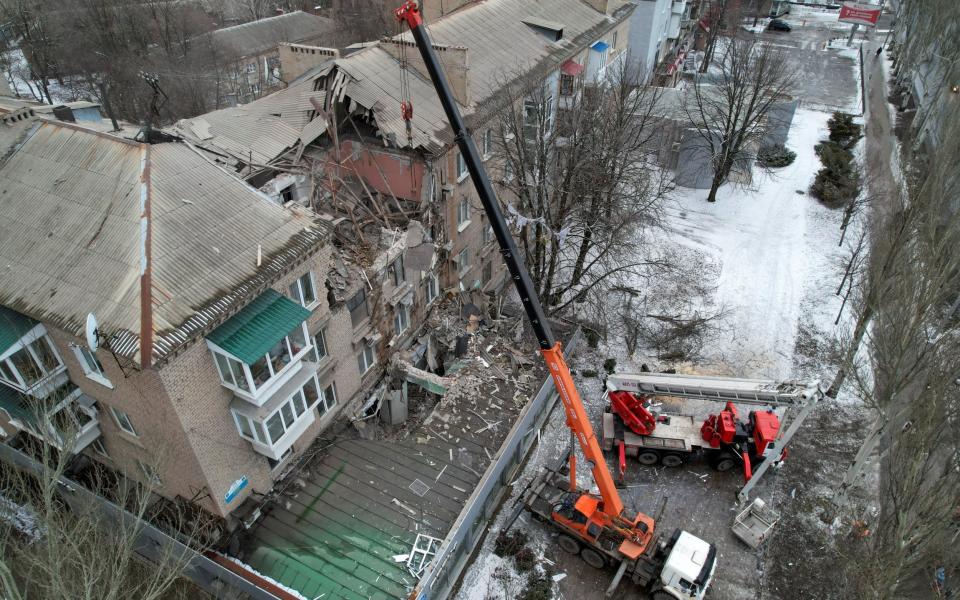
<point x="446" y="567"/>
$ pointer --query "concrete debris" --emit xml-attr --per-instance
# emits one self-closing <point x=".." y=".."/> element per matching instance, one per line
<point x="431" y="382"/>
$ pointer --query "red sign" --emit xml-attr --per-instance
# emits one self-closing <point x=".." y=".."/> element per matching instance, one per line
<point x="861" y="14"/>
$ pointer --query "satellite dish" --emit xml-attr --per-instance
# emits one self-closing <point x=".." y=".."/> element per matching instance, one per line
<point x="93" y="336"/>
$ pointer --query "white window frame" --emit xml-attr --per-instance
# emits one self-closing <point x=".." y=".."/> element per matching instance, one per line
<point x="297" y="287"/>
<point x="253" y="389"/>
<point x="26" y="344"/>
<point x="117" y="413"/>
<point x="487" y="143"/>
<point x="364" y="364"/>
<point x="320" y="339"/>
<point x="364" y="303"/>
<point x="463" y="262"/>
<point x="463" y="213"/>
<point x="401" y="319"/>
<point x="326" y="405"/>
<point x="461" y="167"/>
<point x="92" y="372"/>
<point x="432" y="288"/>
<point x="259" y="428"/>
<point x="486" y="236"/>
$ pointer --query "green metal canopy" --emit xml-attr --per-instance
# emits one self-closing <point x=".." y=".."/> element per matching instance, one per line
<point x="13" y="326"/>
<point x="250" y="333"/>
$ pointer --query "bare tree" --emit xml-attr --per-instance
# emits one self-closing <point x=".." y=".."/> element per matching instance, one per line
<point x="55" y="543"/>
<point x="577" y="182"/>
<point x="731" y="115"/>
<point x="904" y="362"/>
<point x="715" y="14"/>
<point x="31" y="22"/>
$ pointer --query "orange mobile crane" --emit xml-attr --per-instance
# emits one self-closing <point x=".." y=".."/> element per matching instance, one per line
<point x="596" y="526"/>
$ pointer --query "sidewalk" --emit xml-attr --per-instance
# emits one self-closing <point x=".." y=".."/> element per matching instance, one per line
<point x="880" y="139"/>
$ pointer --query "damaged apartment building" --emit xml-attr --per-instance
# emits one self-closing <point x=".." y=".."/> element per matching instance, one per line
<point x="273" y="267"/>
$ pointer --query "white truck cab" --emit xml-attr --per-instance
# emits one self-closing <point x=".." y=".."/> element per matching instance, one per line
<point x="688" y="568"/>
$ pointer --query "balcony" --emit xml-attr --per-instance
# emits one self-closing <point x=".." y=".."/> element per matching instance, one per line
<point x="65" y="418"/>
<point x="258" y="350"/>
<point x="29" y="361"/>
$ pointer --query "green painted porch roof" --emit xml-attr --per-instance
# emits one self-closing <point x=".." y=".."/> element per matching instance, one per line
<point x="250" y="333"/>
<point x="13" y="326"/>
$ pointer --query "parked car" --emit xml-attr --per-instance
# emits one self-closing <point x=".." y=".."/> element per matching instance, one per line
<point x="779" y="25"/>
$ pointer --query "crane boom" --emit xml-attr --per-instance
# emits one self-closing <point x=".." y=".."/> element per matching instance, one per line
<point x="577" y="418"/>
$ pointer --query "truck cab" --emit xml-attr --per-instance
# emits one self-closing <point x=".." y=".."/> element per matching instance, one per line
<point x="688" y="567"/>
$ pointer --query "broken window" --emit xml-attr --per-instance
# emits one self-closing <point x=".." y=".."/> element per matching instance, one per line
<point x="463" y="262"/>
<point x="303" y="291"/>
<point x="487" y="272"/>
<point x="286" y="194"/>
<point x="401" y="320"/>
<point x="366" y="358"/>
<point x="357" y="305"/>
<point x="463" y="213"/>
<point x="566" y="85"/>
<point x="396" y="271"/>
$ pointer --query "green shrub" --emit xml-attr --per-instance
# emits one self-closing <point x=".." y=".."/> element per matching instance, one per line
<point x="838" y="181"/>
<point x="843" y="130"/>
<point x="775" y="156"/>
<point x="610" y="365"/>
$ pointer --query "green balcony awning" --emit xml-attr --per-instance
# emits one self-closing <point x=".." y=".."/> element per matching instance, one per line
<point x="13" y="326"/>
<point x="250" y="333"/>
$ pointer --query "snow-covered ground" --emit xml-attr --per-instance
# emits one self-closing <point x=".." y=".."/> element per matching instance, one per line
<point x="773" y="253"/>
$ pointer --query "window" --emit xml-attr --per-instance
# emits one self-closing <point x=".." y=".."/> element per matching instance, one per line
<point x="286" y="194"/>
<point x="92" y="367"/>
<point x="250" y="429"/>
<point x="276" y="463"/>
<point x="461" y="167"/>
<point x="507" y="170"/>
<point x="487" y="235"/>
<point x="253" y="377"/>
<point x="123" y="421"/>
<point x="329" y="399"/>
<point x="366" y="358"/>
<point x="487" y="272"/>
<point x="319" y="345"/>
<point x="613" y="41"/>
<point x="303" y="291"/>
<point x="401" y="320"/>
<point x="431" y="288"/>
<point x="396" y="271"/>
<point x="99" y="448"/>
<point x="463" y="262"/>
<point x="150" y="473"/>
<point x="463" y="213"/>
<point x="358" y="307"/>
<point x="31" y="363"/>
<point x="487" y="143"/>
<point x="566" y="85"/>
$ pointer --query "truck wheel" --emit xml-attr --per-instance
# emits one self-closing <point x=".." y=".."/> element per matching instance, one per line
<point x="593" y="558"/>
<point x="662" y="595"/>
<point x="724" y="462"/>
<point x="569" y="544"/>
<point x="671" y="460"/>
<point x="648" y="457"/>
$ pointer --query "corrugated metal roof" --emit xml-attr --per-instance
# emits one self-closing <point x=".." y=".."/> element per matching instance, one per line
<point x="251" y="333"/>
<point x="13" y="326"/>
<point x="500" y="48"/>
<point x="262" y="130"/>
<point x="257" y="37"/>
<point x="70" y="240"/>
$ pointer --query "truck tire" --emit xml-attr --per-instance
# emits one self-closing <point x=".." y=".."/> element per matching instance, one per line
<point x="648" y="457"/>
<point x="672" y="460"/>
<point x="662" y="595"/>
<point x="593" y="558"/>
<point x="569" y="544"/>
<point x="723" y="462"/>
